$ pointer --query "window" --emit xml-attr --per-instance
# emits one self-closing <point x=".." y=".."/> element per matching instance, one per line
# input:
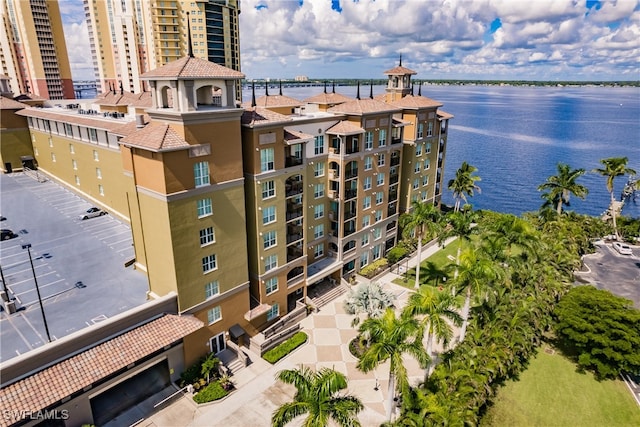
<point x="424" y="196"/>
<point x="420" y="130"/>
<point x="318" y="190"/>
<point x="425" y="180"/>
<point x="201" y="173"/>
<point x="268" y="214"/>
<point x="382" y="138"/>
<point x="318" y="231"/>
<point x="268" y="189"/>
<point x="269" y="239"/>
<point x="318" y="169"/>
<point x="416" y="168"/>
<point x="273" y="312"/>
<point x="318" y="145"/>
<point x="381" y="159"/>
<point x="375" y="252"/>
<point x="211" y="289"/>
<point x="93" y="135"/>
<point x="100" y="189"/>
<point x="416" y="183"/>
<point x="428" y="148"/>
<point x="318" y="250"/>
<point x="207" y="236"/>
<point x="418" y="150"/>
<point x="266" y="160"/>
<point x="204" y="207"/>
<point x="380" y="178"/>
<point x="74" y="165"/>
<point x="377" y="233"/>
<point x="365" y="240"/>
<point x="427" y="164"/>
<point x="366" y="220"/>
<point x="378" y="216"/>
<point x="50" y="142"/>
<point x="270" y="262"/>
<point x="77" y="179"/>
<point x="368" y="163"/>
<point x="68" y="129"/>
<point x="430" y="129"/>
<point x="271" y="285"/>
<point x="71" y="149"/>
<point x="368" y="141"/>
<point x="367" y="183"/>
<point x="379" y="197"/>
<point x="209" y="263"/>
<point x="96" y="156"/>
<point x="364" y="259"/>
<point x="214" y="315"/>
<point x="99" y="173"/>
<point x="318" y="211"/>
<point x="53" y="157"/>
<point x="366" y="202"/>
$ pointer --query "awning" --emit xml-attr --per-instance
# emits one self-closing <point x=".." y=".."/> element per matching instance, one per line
<point x="236" y="331"/>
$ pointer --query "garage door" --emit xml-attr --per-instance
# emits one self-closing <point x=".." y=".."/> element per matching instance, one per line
<point x="128" y="393"/>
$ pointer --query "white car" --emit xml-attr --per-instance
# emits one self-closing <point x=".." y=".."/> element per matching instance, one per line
<point x="622" y="248"/>
<point x="92" y="213"/>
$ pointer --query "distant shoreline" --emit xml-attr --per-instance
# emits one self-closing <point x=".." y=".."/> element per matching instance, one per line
<point x="436" y="82"/>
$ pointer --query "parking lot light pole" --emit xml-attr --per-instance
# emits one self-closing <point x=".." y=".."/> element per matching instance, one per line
<point x="27" y="246"/>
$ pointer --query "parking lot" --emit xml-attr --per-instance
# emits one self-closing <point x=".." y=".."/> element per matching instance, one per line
<point x="79" y="264"/>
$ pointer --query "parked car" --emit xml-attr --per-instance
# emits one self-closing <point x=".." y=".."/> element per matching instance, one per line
<point x="7" y="234"/>
<point x="92" y="213"/>
<point x="622" y="248"/>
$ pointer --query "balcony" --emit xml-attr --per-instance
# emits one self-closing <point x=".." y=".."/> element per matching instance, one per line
<point x="396" y="141"/>
<point x="294" y="252"/>
<point x="334" y="174"/>
<point x="393" y="179"/>
<point x="351" y="174"/>
<point x="349" y="214"/>
<point x="292" y="161"/>
<point x="334" y="150"/>
<point x="294" y="237"/>
<point x="349" y="231"/>
<point x="353" y="149"/>
<point x="391" y="226"/>
<point x="350" y="194"/>
<point x="393" y="196"/>
<point x="395" y="161"/>
<point x="333" y="215"/>
<point x="392" y="210"/>
<point x="294" y="214"/>
<point x="334" y="194"/>
<point x="294" y="189"/>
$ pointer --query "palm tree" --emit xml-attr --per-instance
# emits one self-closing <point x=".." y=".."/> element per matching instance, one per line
<point x="318" y="396"/>
<point x="435" y="308"/>
<point x="562" y="185"/>
<point x="390" y="338"/>
<point x="369" y="299"/>
<point x="423" y="220"/>
<point x="460" y="225"/>
<point x="463" y="184"/>
<point x="613" y="167"/>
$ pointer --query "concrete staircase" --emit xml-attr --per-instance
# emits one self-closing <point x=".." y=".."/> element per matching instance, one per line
<point x="333" y="293"/>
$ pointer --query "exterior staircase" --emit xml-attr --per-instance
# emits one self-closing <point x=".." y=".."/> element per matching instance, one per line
<point x="330" y="295"/>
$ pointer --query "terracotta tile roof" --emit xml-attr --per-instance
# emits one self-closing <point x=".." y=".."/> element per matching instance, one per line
<point x="45" y="388"/>
<point x="95" y="121"/>
<point x="10" y="104"/>
<point x="399" y="122"/>
<point x="292" y="136"/>
<point x="363" y="106"/>
<point x="442" y="115"/>
<point x="274" y="101"/>
<point x="157" y="137"/>
<point x="29" y="97"/>
<point x="259" y="115"/>
<point x="130" y="127"/>
<point x="192" y="68"/>
<point x="331" y="98"/>
<point x="411" y="101"/>
<point x="399" y="71"/>
<point x="127" y="98"/>
<point x="344" y="127"/>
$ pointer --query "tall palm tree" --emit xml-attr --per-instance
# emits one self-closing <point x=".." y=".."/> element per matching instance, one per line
<point x="318" y="396"/>
<point x="436" y="309"/>
<point x="463" y="184"/>
<point x="390" y="338"/>
<point x="561" y="186"/>
<point x="613" y="167"/>
<point x="423" y="220"/>
<point x="460" y="225"/>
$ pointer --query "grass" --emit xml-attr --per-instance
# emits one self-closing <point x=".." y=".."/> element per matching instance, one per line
<point x="552" y="393"/>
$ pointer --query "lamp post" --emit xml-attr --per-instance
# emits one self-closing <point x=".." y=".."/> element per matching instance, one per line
<point x="27" y="246"/>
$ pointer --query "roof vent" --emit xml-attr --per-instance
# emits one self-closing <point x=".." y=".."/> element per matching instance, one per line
<point x="139" y="121"/>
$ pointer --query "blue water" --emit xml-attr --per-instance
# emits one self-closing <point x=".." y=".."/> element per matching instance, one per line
<point x="515" y="136"/>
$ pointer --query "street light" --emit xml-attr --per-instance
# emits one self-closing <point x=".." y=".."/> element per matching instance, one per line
<point x="27" y="246"/>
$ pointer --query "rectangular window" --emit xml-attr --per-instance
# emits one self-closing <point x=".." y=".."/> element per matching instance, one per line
<point x="418" y="150"/>
<point x="382" y="138"/>
<point x="364" y="259"/>
<point x="266" y="160"/>
<point x="318" y="169"/>
<point x="377" y="233"/>
<point x="367" y="183"/>
<point x="368" y="141"/>
<point x="93" y="135"/>
<point x="207" y="236"/>
<point x="430" y="129"/>
<point x="318" y="191"/>
<point x="318" y="211"/>
<point x="416" y="183"/>
<point x="270" y="262"/>
<point x="318" y="231"/>
<point x="365" y="240"/>
<point x="214" y="315"/>
<point x="268" y="214"/>
<point x="416" y="168"/>
<point x="427" y="164"/>
<point x="269" y="239"/>
<point x="375" y="252"/>
<point x="420" y="130"/>
<point x="273" y="312"/>
<point x="378" y="216"/>
<point x="428" y="148"/>
<point x="74" y="165"/>
<point x="50" y="141"/>
<point x="68" y="129"/>
<point x="379" y="197"/>
<point x="71" y="149"/>
<point x="380" y="178"/>
<point x="368" y="163"/>
<point x="77" y="178"/>
<point x="268" y="189"/>
<point x="96" y="156"/>
<point x="425" y="180"/>
<point x="366" y="202"/>
<point x="271" y="285"/>
<point x="318" y="250"/>
<point x="204" y="207"/>
<point x="366" y="221"/>
<point x="99" y="173"/>
<point x="53" y="157"/>
<point x="318" y="145"/>
<point x="100" y="189"/>
<point x="201" y="173"/>
<point x="381" y="159"/>
<point x="424" y="196"/>
<point x="211" y="289"/>
<point x="209" y="263"/>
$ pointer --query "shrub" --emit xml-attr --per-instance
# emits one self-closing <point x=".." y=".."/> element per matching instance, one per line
<point x="396" y="254"/>
<point x="192" y="373"/>
<point x="374" y="268"/>
<point x="281" y="350"/>
<point x="213" y="391"/>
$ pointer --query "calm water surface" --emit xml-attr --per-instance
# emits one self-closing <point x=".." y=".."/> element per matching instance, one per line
<point x="515" y="136"/>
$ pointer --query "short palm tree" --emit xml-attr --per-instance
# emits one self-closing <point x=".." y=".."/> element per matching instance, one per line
<point x="390" y="338"/>
<point x="367" y="299"/>
<point x="561" y="186"/>
<point x="463" y="184"/>
<point x="318" y="396"/>
<point x="423" y="220"/>
<point x="613" y="167"/>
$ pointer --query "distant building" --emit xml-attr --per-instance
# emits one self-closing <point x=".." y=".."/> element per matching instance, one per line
<point x="301" y="78"/>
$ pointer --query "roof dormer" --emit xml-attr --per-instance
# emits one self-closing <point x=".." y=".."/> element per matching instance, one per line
<point x="399" y="84"/>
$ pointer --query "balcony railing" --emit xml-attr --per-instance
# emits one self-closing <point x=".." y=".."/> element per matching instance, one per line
<point x="294" y="214"/>
<point x="292" y="161"/>
<point x="396" y="140"/>
<point x="349" y="231"/>
<point x="352" y="149"/>
<point x="334" y="150"/>
<point x="393" y="196"/>
<point x="351" y="174"/>
<point x="392" y="210"/>
<point x="334" y="194"/>
<point x="395" y="161"/>
<point x="333" y="174"/>
<point x="349" y="214"/>
<point x="294" y="253"/>
<point x="294" y="189"/>
<point x="350" y="194"/>
<point x="393" y="179"/>
<point x="293" y="237"/>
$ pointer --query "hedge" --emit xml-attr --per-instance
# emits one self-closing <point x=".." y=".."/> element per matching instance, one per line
<point x="372" y="269"/>
<point x="213" y="391"/>
<point x="281" y="350"/>
<point x="396" y="254"/>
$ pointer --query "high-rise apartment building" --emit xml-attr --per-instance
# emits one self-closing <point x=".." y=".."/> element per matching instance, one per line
<point x="34" y="51"/>
<point x="131" y="37"/>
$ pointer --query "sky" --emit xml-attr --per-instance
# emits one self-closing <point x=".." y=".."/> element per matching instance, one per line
<point x="439" y="39"/>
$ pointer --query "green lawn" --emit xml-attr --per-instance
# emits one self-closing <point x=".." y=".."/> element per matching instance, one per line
<point x="551" y="393"/>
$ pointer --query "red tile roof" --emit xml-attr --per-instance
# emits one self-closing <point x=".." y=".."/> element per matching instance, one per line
<point x="363" y="106"/>
<point x="126" y="98"/>
<point x="45" y="388"/>
<point x="272" y="101"/>
<point x="442" y="115"/>
<point x="328" y="99"/>
<point x="259" y="115"/>
<point x="292" y="136"/>
<point x="399" y="71"/>
<point x="10" y="104"/>
<point x="192" y="68"/>
<point x="156" y="137"/>
<point x="411" y="101"/>
<point x="344" y="127"/>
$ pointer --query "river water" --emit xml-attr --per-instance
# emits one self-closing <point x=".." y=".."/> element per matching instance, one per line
<point x="516" y="135"/>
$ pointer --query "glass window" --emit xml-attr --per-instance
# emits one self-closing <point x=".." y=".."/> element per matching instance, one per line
<point x="367" y="183"/>
<point x="71" y="149"/>
<point x="427" y="164"/>
<point x="100" y="189"/>
<point x="207" y="236"/>
<point x="366" y="202"/>
<point x="418" y="150"/>
<point x="382" y="138"/>
<point x="318" y="231"/>
<point x="273" y="312"/>
<point x="318" y="190"/>
<point x="380" y="178"/>
<point x="268" y="214"/>
<point x="74" y="165"/>
<point x="365" y="240"/>
<point x="211" y="289"/>
<point x="266" y="160"/>
<point x="378" y="216"/>
<point x="430" y="129"/>
<point x="268" y="189"/>
<point x="416" y="168"/>
<point x="381" y="159"/>
<point x="209" y="263"/>
<point x="318" y="144"/>
<point x="98" y="173"/>
<point x="366" y="221"/>
<point x="96" y="156"/>
<point x="420" y="130"/>
<point x="364" y="259"/>
<point x="77" y="179"/>
<point x="368" y="141"/>
<point x="318" y="169"/>
<point x="68" y="129"/>
<point x="368" y="163"/>
<point x="271" y="285"/>
<point x="377" y="233"/>
<point x="416" y="183"/>
<point x="93" y="134"/>
<point x="318" y="211"/>
<point x="379" y="197"/>
<point x="269" y="239"/>
<point x="425" y="180"/>
<point x="53" y="157"/>
<point x="214" y="315"/>
<point x="270" y="262"/>
<point x="375" y="252"/>
<point x="201" y="173"/>
<point x="204" y="207"/>
<point x="318" y="250"/>
<point x="428" y="148"/>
